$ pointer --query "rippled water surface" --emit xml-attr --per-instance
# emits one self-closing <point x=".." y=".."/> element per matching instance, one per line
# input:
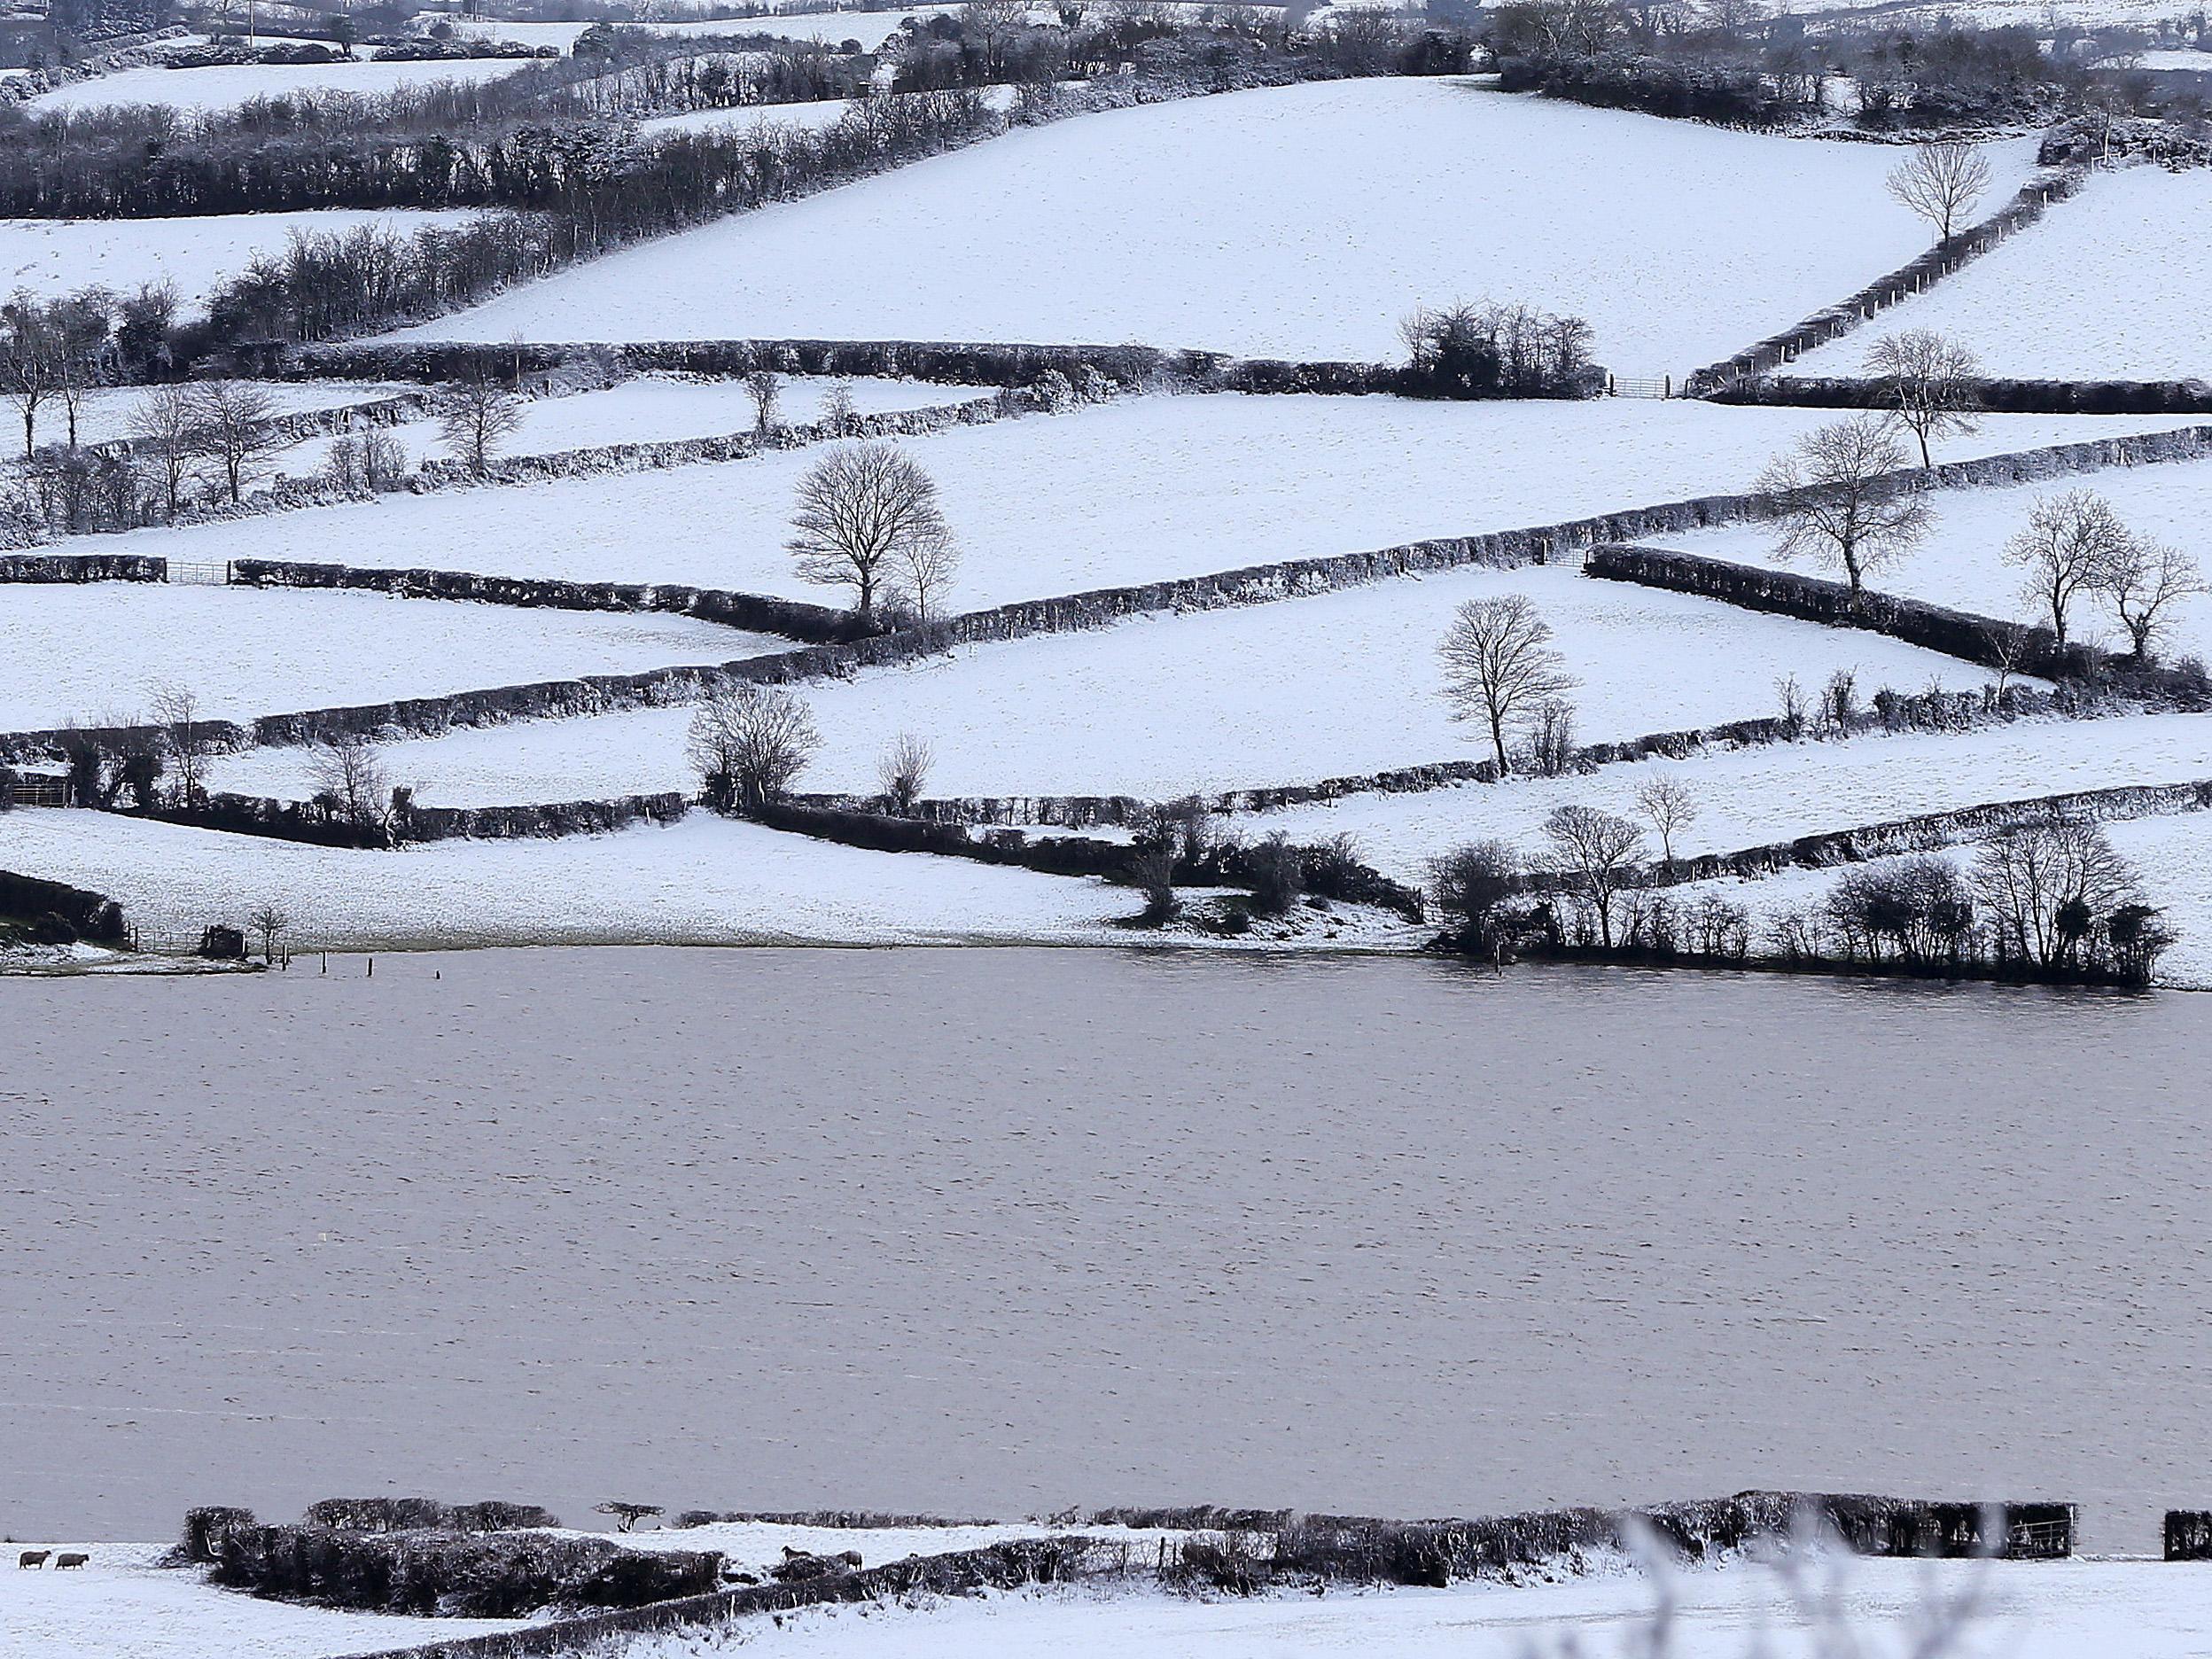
<point x="996" y="1230"/>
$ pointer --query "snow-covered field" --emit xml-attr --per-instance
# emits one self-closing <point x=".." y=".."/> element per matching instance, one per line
<point x="1962" y="561"/>
<point x="648" y="410"/>
<point x="54" y="256"/>
<point x="95" y="650"/>
<point x="204" y="91"/>
<point x="121" y="1605"/>
<point x="1135" y="491"/>
<point x="1305" y="689"/>
<point x="2108" y="286"/>
<point x="1321" y="216"/>
<point x="1750" y="796"/>
<point x="704" y="881"/>
<point x="2119" y="1609"/>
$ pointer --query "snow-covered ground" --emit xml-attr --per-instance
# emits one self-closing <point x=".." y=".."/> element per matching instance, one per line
<point x="2116" y="1609"/>
<point x="1135" y="491"/>
<point x="648" y="410"/>
<point x="1750" y="796"/>
<point x="2108" y="286"/>
<point x="223" y="87"/>
<point x="1321" y="216"/>
<point x="1304" y="689"/>
<point x="121" y="1605"/>
<point x="96" y="649"/>
<point x="1962" y="561"/>
<point x="54" y="256"/>
<point x="704" y="881"/>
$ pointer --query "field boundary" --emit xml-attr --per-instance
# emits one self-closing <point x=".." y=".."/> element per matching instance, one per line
<point x="1992" y="395"/>
<point x="1259" y="584"/>
<point x="2027" y="206"/>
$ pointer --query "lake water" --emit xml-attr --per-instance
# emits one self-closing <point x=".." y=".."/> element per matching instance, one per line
<point x="991" y="1232"/>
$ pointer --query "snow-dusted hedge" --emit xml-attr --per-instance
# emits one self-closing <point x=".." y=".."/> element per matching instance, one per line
<point x="757" y="613"/>
<point x="94" y="916"/>
<point x="1997" y="396"/>
<point x="1961" y="633"/>
<point x="948" y="362"/>
<point x="2027" y="206"/>
<point x="81" y="567"/>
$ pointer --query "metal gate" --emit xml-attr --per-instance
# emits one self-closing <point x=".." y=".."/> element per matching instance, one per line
<point x="1622" y="386"/>
<point x="41" y="789"/>
<point x="203" y="572"/>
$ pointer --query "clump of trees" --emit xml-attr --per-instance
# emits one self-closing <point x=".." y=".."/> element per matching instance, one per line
<point x="1490" y="350"/>
<point x="748" y="743"/>
<point x="2050" y="899"/>
<point x="2074" y="544"/>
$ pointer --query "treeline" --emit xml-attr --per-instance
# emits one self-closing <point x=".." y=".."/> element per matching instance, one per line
<point x="2048" y="900"/>
<point x="1739" y="64"/>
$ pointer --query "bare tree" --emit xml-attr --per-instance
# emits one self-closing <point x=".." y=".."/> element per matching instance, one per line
<point x="176" y="709"/>
<point x="838" y="409"/>
<point x="2008" y="643"/>
<point x="1498" y="665"/>
<point x="231" y="425"/>
<point x="163" y="441"/>
<point x="993" y="25"/>
<point x="1840" y="501"/>
<point x="349" y="778"/>
<point x="1929" y="383"/>
<point x="475" y="418"/>
<point x="903" y="771"/>
<point x="1942" y="182"/>
<point x="748" y="743"/>
<point x="765" y="388"/>
<point x="30" y="362"/>
<point x="269" y="921"/>
<point x="865" y="511"/>
<point x="1599" y="850"/>
<point x="1474" y="883"/>
<point x="383" y="461"/>
<point x="2144" y="580"/>
<point x="1152" y="871"/>
<point x="924" y="569"/>
<point x="2068" y="541"/>
<point x="1667" y="801"/>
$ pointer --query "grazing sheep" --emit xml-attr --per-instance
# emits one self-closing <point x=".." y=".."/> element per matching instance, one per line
<point x="70" y="1558"/>
<point x="32" y="1558"/>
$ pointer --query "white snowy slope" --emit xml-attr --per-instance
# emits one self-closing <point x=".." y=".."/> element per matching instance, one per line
<point x="1133" y="491"/>
<point x="2108" y="286"/>
<point x="94" y="649"/>
<point x="651" y="409"/>
<point x="226" y="86"/>
<point x="2112" y="1609"/>
<point x="1962" y="562"/>
<point x="1300" y="221"/>
<point x="704" y="881"/>
<point x="55" y="256"/>
<point x="1299" y="689"/>
<point x="121" y="1605"/>
<point x="1748" y="797"/>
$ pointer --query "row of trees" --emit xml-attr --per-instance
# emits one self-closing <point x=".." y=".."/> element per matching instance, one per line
<point x="2050" y="899"/>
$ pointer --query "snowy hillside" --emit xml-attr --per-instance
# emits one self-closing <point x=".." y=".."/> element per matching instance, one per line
<point x="1321" y="216"/>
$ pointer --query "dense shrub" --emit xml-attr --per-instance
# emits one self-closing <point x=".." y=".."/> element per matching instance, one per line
<point x="503" y="1575"/>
